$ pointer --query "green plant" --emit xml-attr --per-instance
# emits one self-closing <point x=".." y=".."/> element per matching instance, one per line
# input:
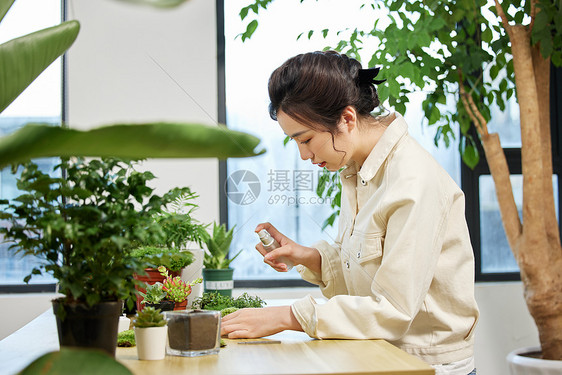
<point x="76" y="361"/>
<point x="171" y="258"/>
<point x="82" y="227"/>
<point x="126" y="338"/>
<point x="218" y="245"/>
<point x="178" y="223"/>
<point x="217" y="301"/>
<point x="149" y="317"/>
<point x="476" y="56"/>
<point x="155" y="293"/>
<point x="176" y="289"/>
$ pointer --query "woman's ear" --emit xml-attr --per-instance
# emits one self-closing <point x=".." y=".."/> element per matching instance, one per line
<point x="349" y="118"/>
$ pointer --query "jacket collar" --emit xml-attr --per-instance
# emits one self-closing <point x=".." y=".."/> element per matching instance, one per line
<point x="391" y="136"/>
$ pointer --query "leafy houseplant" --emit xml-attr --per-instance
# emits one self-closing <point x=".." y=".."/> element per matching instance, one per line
<point x="150" y="334"/>
<point x="179" y="228"/>
<point x="217" y="272"/>
<point x="481" y="61"/>
<point x="154" y="296"/>
<point x="176" y="289"/>
<point x="82" y="228"/>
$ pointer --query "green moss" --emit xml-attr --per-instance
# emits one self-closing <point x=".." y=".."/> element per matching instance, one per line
<point x="228" y="310"/>
<point x="216" y="301"/>
<point x="126" y="338"/>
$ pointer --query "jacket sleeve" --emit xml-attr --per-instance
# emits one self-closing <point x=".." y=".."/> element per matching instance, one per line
<point x="416" y="211"/>
<point x="329" y="280"/>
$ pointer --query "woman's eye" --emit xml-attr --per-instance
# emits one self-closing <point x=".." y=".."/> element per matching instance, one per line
<point x="305" y="142"/>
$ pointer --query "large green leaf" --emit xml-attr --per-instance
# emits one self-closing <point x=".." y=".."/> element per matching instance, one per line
<point x="135" y="141"/>
<point x="23" y="59"/>
<point x="5" y="5"/>
<point x="158" y="3"/>
<point x="71" y="361"/>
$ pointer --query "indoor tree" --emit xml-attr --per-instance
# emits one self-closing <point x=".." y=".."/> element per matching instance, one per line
<point x="477" y="54"/>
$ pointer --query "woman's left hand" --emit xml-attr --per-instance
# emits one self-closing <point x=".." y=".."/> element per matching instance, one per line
<point x="258" y="322"/>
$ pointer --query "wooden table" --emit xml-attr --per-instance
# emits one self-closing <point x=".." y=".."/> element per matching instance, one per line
<point x="296" y="354"/>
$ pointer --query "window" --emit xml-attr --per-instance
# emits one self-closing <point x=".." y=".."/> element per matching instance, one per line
<point x="40" y="102"/>
<point x="279" y="187"/>
<point x="494" y="259"/>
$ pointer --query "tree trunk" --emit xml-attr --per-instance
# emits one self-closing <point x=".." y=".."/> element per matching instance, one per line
<point x="539" y="259"/>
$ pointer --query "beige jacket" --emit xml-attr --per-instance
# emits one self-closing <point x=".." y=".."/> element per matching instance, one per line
<point x="402" y="267"/>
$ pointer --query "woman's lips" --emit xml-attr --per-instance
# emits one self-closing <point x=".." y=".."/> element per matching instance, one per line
<point x="321" y="165"/>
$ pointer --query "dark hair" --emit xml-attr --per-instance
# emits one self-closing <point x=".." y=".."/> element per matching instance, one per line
<point x="316" y="87"/>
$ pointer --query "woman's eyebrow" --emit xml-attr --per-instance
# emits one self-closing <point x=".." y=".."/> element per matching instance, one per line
<point x="298" y="133"/>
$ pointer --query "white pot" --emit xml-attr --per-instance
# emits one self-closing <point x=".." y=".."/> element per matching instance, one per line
<point x="151" y="342"/>
<point x="523" y="365"/>
<point x="192" y="272"/>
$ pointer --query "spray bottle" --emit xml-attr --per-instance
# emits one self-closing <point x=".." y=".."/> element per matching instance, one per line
<point x="269" y="244"/>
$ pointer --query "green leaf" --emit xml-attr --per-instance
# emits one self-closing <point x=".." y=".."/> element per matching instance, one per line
<point x="76" y="361"/>
<point x="23" y="59"/>
<point x="244" y="13"/>
<point x="469" y="152"/>
<point x="137" y="141"/>
<point x="5" y="6"/>
<point x="310" y="34"/>
<point x="250" y="29"/>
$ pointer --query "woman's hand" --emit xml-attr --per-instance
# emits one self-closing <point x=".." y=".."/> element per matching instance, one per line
<point x="258" y="322"/>
<point x="298" y="254"/>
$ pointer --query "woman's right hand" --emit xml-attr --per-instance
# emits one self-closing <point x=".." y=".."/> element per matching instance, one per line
<point x="297" y="254"/>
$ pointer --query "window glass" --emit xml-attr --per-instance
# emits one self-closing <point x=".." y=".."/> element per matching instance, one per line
<point x="496" y="255"/>
<point x="40" y="102"/>
<point x="279" y="187"/>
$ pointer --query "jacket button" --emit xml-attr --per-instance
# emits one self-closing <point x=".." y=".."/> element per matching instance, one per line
<point x="363" y="182"/>
<point x="346" y="264"/>
<point x="359" y="255"/>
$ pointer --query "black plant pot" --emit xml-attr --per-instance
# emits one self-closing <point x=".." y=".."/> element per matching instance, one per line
<point x="162" y="305"/>
<point x="80" y="325"/>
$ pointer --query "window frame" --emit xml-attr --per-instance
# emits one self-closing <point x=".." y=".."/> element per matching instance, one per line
<point x="23" y="288"/>
<point x="470" y="178"/>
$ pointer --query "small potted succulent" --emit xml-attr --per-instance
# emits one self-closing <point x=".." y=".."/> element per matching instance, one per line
<point x="217" y="272"/>
<point x="155" y="297"/>
<point x="176" y="289"/>
<point x="150" y="334"/>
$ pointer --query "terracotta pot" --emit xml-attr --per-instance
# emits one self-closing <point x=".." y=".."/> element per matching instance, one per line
<point x="180" y="305"/>
<point x="522" y="362"/>
<point x="152" y="277"/>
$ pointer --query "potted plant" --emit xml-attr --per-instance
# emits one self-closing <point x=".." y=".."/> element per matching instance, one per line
<point x="217" y="274"/>
<point x="153" y="257"/>
<point x="176" y="289"/>
<point x="150" y="334"/>
<point x="82" y="228"/>
<point x="179" y="228"/>
<point x="154" y="296"/>
<point x="193" y="333"/>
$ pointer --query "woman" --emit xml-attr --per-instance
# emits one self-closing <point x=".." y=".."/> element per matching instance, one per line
<point x="402" y="267"/>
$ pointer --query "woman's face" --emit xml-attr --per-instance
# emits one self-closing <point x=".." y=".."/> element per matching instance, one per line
<point x="317" y="146"/>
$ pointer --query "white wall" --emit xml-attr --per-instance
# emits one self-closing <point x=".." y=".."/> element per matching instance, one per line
<point x="112" y="78"/>
<point x="135" y="63"/>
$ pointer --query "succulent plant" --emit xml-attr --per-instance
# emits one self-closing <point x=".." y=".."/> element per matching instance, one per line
<point x="149" y="317"/>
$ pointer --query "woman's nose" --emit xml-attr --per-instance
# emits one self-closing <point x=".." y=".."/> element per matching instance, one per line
<point x="305" y="152"/>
